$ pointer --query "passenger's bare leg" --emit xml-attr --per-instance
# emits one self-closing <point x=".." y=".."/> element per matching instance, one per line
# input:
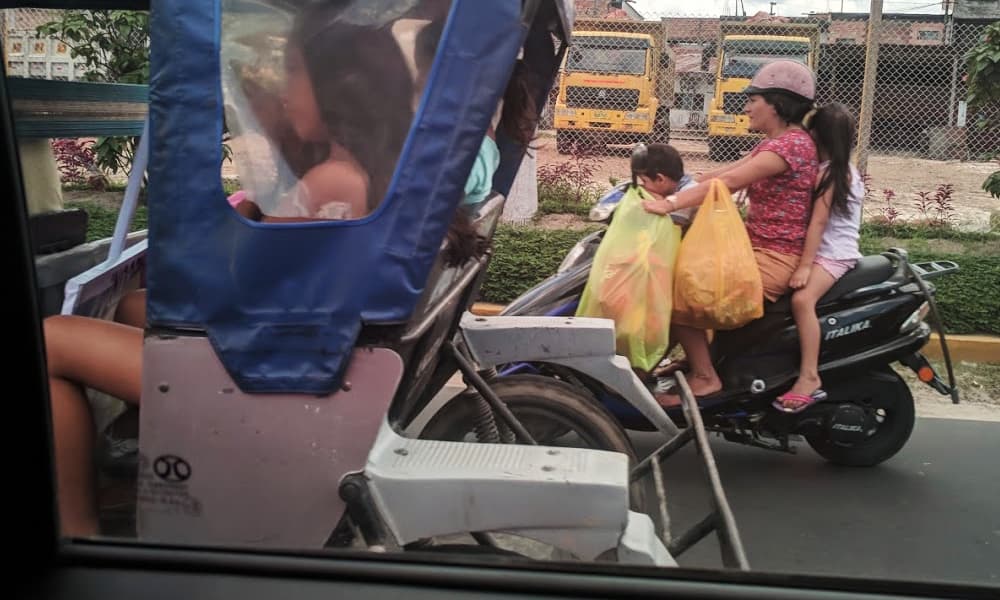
<point x="132" y="309"/>
<point x="82" y="352"/>
<point x="73" y="438"/>
<point x="804" y="310"/>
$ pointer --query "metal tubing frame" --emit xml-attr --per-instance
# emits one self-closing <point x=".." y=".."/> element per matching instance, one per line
<point x="469" y="372"/>
<point x="953" y="389"/>
<point x="720" y="519"/>
<point x="730" y="543"/>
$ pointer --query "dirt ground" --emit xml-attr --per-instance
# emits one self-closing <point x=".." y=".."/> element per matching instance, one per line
<point x="979" y="393"/>
<point x="904" y="175"/>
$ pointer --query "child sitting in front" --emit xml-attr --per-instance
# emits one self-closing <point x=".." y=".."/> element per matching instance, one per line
<point x="659" y="169"/>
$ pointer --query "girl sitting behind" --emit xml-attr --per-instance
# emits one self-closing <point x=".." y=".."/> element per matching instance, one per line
<point x="831" y="247"/>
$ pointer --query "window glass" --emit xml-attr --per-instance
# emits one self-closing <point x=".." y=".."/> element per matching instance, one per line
<point x="319" y="98"/>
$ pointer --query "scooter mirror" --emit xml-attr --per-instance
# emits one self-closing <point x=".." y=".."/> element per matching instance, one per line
<point x="606" y="204"/>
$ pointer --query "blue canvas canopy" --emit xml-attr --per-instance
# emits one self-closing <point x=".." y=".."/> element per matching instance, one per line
<point x="283" y="304"/>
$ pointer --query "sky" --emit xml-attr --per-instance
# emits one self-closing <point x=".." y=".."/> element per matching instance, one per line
<point x="789" y="8"/>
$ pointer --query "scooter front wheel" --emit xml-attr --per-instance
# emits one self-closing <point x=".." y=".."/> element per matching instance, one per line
<point x="889" y="408"/>
<point x="555" y="413"/>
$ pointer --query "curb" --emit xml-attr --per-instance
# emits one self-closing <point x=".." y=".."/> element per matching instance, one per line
<point x="486" y="309"/>
<point x="971" y="348"/>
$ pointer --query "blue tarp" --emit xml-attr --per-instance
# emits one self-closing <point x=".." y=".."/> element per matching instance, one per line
<point x="283" y="304"/>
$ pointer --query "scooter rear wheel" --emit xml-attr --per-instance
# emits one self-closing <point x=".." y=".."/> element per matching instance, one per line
<point x="891" y="405"/>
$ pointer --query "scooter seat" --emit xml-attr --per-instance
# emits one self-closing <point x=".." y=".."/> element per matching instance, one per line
<point x="870" y="270"/>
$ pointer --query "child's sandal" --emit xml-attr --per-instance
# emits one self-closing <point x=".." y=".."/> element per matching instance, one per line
<point x="803" y="401"/>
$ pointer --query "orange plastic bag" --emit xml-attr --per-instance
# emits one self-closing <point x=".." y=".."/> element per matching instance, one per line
<point x="717" y="284"/>
<point x="631" y="281"/>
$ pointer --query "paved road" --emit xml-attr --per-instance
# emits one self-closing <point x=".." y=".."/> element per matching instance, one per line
<point x="930" y="513"/>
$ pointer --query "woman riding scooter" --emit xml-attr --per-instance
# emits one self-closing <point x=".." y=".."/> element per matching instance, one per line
<point x="779" y="176"/>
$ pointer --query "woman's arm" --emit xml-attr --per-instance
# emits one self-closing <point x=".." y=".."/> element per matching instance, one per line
<point x="335" y="182"/>
<point x="760" y="166"/>
<point x="814" y="235"/>
<point x="717" y="172"/>
<point x="249" y="210"/>
<point x="331" y="182"/>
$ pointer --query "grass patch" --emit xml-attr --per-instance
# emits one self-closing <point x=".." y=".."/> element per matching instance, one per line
<point x="977" y="382"/>
<point x="102" y="218"/>
<point x="102" y="208"/>
<point x="524" y="256"/>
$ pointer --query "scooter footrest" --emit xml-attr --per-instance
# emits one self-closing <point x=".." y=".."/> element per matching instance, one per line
<point x="433" y="487"/>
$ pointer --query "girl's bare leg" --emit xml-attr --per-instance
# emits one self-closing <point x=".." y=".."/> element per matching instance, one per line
<point x="804" y="310"/>
<point x="82" y="352"/>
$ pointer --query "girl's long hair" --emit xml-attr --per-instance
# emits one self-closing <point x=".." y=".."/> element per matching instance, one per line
<point x="832" y="126"/>
<point x="363" y="89"/>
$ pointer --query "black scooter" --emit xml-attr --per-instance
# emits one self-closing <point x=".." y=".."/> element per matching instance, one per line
<point x="873" y="317"/>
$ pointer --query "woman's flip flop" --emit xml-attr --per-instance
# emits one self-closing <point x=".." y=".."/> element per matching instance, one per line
<point x="803" y="401"/>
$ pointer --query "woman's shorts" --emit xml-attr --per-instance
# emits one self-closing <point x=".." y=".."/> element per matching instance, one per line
<point x="776" y="270"/>
<point x="836" y="268"/>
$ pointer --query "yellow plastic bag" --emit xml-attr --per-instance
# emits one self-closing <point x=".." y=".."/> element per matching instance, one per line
<point x="632" y="278"/>
<point x="717" y="283"/>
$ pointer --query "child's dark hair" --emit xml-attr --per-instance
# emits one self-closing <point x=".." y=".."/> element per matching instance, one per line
<point x="656" y="159"/>
<point x="464" y="240"/>
<point x="519" y="115"/>
<point x="426" y="43"/>
<point x="833" y="128"/>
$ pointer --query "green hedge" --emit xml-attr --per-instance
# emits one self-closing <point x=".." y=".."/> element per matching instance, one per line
<point x="104" y="215"/>
<point x="968" y="299"/>
<point x="101" y="219"/>
<point x="524" y="256"/>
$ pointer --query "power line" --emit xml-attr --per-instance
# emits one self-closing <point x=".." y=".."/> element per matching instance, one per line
<point x="920" y="7"/>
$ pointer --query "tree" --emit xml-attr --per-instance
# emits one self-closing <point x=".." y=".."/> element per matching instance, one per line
<point x="983" y="66"/>
<point x="114" y="46"/>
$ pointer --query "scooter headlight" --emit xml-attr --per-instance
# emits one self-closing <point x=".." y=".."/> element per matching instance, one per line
<point x="915" y="318"/>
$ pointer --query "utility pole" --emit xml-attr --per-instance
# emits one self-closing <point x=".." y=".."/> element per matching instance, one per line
<point x="772" y="7"/>
<point x="868" y="86"/>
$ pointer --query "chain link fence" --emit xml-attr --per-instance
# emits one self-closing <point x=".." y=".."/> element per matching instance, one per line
<point x="680" y="79"/>
<point x="27" y="54"/>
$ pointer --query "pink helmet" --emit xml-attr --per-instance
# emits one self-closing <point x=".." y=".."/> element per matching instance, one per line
<point x="788" y="76"/>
